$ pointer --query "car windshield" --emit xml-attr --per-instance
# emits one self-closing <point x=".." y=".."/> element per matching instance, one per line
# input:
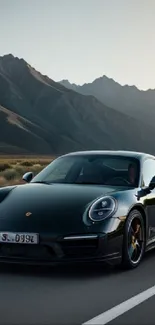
<point x="90" y="169"/>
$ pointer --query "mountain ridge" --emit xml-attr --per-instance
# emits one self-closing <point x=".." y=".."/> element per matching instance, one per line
<point x="105" y="77"/>
<point x="41" y="116"/>
<point x="136" y="103"/>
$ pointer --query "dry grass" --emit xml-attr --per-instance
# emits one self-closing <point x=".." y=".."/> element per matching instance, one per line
<point x="12" y="168"/>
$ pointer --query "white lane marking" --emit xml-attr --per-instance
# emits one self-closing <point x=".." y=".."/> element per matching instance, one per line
<point x="120" y="309"/>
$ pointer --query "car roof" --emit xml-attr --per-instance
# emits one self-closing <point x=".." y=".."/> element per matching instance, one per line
<point x="125" y="153"/>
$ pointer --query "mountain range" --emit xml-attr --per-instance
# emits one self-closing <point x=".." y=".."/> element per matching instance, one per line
<point x="41" y="116"/>
<point x="130" y="100"/>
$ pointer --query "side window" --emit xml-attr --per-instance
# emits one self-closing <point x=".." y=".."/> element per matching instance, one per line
<point x="148" y="171"/>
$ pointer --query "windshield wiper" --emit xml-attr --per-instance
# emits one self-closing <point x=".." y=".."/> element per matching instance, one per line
<point x="40" y="182"/>
<point x="88" y="183"/>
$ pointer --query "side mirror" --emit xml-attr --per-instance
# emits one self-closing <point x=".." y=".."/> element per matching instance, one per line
<point x="27" y="177"/>
<point x="152" y="183"/>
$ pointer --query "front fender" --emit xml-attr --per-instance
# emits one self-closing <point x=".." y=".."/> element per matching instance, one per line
<point x="4" y="192"/>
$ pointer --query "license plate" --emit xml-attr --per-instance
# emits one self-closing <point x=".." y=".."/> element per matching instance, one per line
<point x="19" y="238"/>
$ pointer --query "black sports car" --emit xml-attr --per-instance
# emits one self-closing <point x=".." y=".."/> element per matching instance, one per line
<point x="84" y="206"/>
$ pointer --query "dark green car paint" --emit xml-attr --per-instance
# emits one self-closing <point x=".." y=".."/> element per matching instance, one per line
<point x="58" y="209"/>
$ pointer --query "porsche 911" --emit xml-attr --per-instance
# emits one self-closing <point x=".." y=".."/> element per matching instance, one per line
<point x="89" y="206"/>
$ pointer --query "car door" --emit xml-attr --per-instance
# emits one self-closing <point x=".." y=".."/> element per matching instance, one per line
<point x="148" y="172"/>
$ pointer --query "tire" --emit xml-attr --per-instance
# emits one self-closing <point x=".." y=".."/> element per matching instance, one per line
<point x="128" y="252"/>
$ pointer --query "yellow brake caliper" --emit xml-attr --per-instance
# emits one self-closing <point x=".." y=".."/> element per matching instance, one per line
<point x="133" y="240"/>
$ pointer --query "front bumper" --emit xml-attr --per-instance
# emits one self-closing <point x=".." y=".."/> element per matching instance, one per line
<point x="77" y="248"/>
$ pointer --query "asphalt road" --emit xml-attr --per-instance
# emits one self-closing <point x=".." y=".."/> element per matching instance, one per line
<point x="74" y="295"/>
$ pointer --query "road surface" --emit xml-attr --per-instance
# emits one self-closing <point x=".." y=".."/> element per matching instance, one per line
<point x="75" y="295"/>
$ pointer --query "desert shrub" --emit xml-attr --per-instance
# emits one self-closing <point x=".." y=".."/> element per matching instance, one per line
<point x="2" y="181"/>
<point x="4" y="166"/>
<point x="36" y="169"/>
<point x="44" y="162"/>
<point x="12" y="168"/>
<point x="20" y="169"/>
<point x="26" y="163"/>
<point x="10" y="174"/>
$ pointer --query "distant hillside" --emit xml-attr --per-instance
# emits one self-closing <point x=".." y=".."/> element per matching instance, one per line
<point x="38" y="115"/>
<point x="127" y="99"/>
<point x="18" y="135"/>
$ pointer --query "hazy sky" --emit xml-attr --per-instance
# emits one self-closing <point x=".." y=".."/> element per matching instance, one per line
<point x="81" y="40"/>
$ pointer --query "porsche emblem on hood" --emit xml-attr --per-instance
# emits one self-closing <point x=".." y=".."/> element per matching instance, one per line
<point x="28" y="214"/>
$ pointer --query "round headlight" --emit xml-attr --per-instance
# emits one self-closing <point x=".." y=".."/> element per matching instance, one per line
<point x="102" y="208"/>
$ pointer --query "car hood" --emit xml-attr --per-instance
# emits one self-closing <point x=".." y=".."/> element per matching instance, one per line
<point x="56" y="208"/>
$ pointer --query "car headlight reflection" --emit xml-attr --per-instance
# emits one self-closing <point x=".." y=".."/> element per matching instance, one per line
<point x="102" y="208"/>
